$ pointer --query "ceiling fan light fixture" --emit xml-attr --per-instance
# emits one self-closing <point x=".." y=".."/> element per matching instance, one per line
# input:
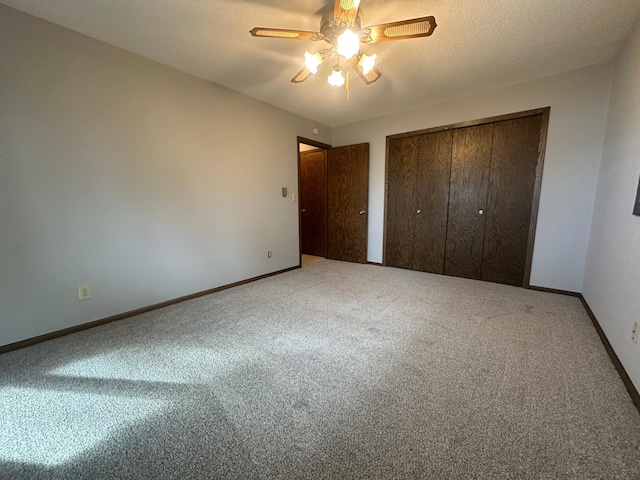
<point x="336" y="79"/>
<point x="366" y="63"/>
<point x="342" y="30"/>
<point x="312" y="61"/>
<point x="348" y="44"/>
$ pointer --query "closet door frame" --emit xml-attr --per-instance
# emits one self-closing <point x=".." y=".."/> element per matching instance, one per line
<point x="544" y="125"/>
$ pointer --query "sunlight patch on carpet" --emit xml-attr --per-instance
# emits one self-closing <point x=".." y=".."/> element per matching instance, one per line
<point x="175" y="365"/>
<point x="50" y="427"/>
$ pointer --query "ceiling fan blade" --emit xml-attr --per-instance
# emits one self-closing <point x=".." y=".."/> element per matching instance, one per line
<point x="345" y="12"/>
<point x="282" y="33"/>
<point x="373" y="75"/>
<point x="413" y="28"/>
<point x="301" y="76"/>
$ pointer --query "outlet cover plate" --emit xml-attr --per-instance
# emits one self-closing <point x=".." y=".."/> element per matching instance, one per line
<point x="84" y="292"/>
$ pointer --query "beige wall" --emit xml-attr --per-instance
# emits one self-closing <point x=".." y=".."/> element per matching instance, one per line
<point x="612" y="275"/>
<point x="578" y="102"/>
<point x="141" y="180"/>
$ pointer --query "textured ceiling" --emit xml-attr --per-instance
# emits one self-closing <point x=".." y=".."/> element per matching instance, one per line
<point x="478" y="44"/>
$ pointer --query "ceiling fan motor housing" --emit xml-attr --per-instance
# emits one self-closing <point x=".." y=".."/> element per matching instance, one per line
<point x="332" y="29"/>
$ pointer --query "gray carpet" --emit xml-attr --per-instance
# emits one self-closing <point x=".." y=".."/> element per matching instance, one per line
<point x="333" y="371"/>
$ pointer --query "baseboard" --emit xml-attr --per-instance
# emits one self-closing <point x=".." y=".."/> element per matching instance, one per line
<point x="374" y="263"/>
<point x="631" y="388"/>
<point x="121" y="316"/>
<point x="554" y="290"/>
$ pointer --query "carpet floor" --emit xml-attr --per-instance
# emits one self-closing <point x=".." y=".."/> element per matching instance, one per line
<point x="334" y="371"/>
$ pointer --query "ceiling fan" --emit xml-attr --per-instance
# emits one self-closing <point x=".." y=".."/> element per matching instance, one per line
<point x="342" y="31"/>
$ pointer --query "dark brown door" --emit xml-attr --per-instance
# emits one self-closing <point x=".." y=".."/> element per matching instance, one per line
<point x="432" y="196"/>
<point x="470" y="162"/>
<point x="401" y="202"/>
<point x="418" y="191"/>
<point x="313" y="202"/>
<point x="512" y="177"/>
<point x="348" y="193"/>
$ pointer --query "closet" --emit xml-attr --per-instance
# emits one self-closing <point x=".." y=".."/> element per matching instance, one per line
<point x="462" y="200"/>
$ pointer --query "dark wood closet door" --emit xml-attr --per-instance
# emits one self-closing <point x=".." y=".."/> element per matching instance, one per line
<point x="401" y="202"/>
<point x="512" y="177"/>
<point x="348" y="192"/>
<point x="432" y="201"/>
<point x="313" y="202"/>
<point x="470" y="162"/>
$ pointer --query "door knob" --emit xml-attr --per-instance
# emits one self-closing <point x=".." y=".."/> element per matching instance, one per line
<point x="480" y="212"/>
<point x="304" y="210"/>
<point x="362" y="212"/>
<point x="418" y="211"/>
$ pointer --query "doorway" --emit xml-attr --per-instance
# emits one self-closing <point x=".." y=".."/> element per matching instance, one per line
<point x="312" y="180"/>
<point x="333" y="185"/>
<point x="313" y="200"/>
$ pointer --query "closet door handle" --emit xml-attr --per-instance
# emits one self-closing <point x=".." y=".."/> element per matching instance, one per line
<point x="418" y="211"/>
<point x="362" y="212"/>
<point x="480" y="212"/>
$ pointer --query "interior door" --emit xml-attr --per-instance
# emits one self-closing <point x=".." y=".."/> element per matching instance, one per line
<point x="512" y="177"/>
<point x="470" y="162"/>
<point x="313" y="202"/>
<point x="348" y="196"/>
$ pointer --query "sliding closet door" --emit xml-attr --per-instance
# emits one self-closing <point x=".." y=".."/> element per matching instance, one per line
<point x="432" y="200"/>
<point x="401" y="201"/>
<point x="470" y="162"/>
<point x="512" y="178"/>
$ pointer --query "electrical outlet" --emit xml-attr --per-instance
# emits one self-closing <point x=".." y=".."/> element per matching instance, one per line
<point x="84" y="292"/>
<point x="269" y="254"/>
<point x="634" y="333"/>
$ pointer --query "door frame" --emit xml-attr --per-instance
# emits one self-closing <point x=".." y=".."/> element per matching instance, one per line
<point x="322" y="146"/>
<point x="535" y="202"/>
